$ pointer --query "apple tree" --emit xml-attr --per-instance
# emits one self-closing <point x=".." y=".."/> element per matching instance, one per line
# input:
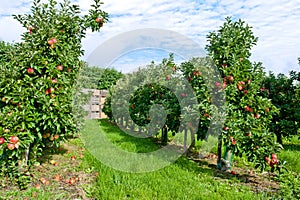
<point x="245" y="130"/>
<point x="282" y="90"/>
<point x="38" y="78"/>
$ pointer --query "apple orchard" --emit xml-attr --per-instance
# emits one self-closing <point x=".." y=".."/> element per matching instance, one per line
<point x="38" y="76"/>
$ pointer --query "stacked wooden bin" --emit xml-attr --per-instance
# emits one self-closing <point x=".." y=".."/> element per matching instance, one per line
<point x="96" y="104"/>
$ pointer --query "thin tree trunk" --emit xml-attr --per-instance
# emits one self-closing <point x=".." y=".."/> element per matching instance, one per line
<point x="219" y="163"/>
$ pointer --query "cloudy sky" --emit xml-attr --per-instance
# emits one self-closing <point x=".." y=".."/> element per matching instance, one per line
<point x="275" y="22"/>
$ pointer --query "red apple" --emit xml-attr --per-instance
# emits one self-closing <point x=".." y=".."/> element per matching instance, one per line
<point x="248" y="134"/>
<point x="206" y="115"/>
<point x="56" y="136"/>
<point x="30" y="70"/>
<point x="52" y="46"/>
<point x="51" y="90"/>
<point x="2" y="140"/>
<point x="53" y="80"/>
<point x="246" y="91"/>
<point x="226" y="128"/>
<point x="56" y="177"/>
<point x="73" y="158"/>
<point x="13" y="139"/>
<point x="183" y="94"/>
<point x="274" y="155"/>
<point x="224" y="84"/>
<point x="224" y="65"/>
<point x="50" y="42"/>
<point x="10" y="146"/>
<point x="240" y="87"/>
<point x="257" y="115"/>
<point x="217" y="84"/>
<point x="43" y="180"/>
<point x="54" y="40"/>
<point x="233" y="142"/>
<point x="233" y="172"/>
<point x="72" y="181"/>
<point x="267" y="109"/>
<point x="99" y="20"/>
<point x="241" y="82"/>
<point x="69" y="69"/>
<point x="230" y="78"/>
<point x="60" y="68"/>
<point x="168" y="77"/>
<point x="174" y="68"/>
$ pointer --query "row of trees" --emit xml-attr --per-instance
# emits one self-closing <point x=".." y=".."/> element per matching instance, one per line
<point x="256" y="106"/>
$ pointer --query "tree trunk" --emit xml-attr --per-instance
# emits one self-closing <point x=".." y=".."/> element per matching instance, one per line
<point x="279" y="137"/>
<point x="164" y="135"/>
<point x="219" y="164"/>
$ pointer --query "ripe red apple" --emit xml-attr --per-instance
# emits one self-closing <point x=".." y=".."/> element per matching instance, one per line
<point x="69" y="69"/>
<point x="226" y="128"/>
<point x="233" y="142"/>
<point x="43" y="180"/>
<point x="132" y="106"/>
<point x="233" y="172"/>
<point x="99" y="20"/>
<point x="224" y="84"/>
<point x="10" y="146"/>
<point x="183" y="94"/>
<point x="240" y="87"/>
<point x="257" y="115"/>
<point x="174" y="68"/>
<point x="51" y="90"/>
<point x="60" y="68"/>
<point x="247" y="108"/>
<point x="72" y="181"/>
<point x="50" y="42"/>
<point x="248" y="81"/>
<point x="54" y="40"/>
<point x="73" y="158"/>
<point x="168" y="77"/>
<point x="30" y="70"/>
<point x="2" y="140"/>
<point x="274" y="155"/>
<point x="230" y="78"/>
<point x="52" y="46"/>
<point x="206" y="115"/>
<point x="190" y="78"/>
<point x="246" y="91"/>
<point x="217" y="84"/>
<point x="241" y="82"/>
<point x="13" y="139"/>
<point x="267" y="109"/>
<point x="56" y="136"/>
<point x="53" y="80"/>
<point x="224" y="65"/>
<point x="248" y="134"/>
<point x="56" y="177"/>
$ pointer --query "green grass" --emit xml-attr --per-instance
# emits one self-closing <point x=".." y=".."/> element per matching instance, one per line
<point x="183" y="179"/>
<point x="291" y="154"/>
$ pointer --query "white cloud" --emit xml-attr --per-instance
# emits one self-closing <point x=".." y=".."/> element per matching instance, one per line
<point x="275" y="22"/>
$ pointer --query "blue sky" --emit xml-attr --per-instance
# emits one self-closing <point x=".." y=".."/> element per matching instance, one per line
<point x="275" y="22"/>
